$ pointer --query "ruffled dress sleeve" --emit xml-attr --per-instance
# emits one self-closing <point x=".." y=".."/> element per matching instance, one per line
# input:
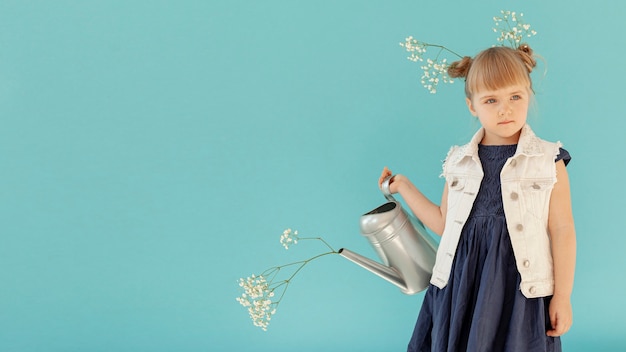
<point x="563" y="155"/>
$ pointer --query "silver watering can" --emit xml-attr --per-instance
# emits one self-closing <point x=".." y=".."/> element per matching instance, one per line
<point x="401" y="241"/>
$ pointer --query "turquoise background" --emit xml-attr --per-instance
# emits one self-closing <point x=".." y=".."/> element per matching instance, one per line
<point x="152" y="152"/>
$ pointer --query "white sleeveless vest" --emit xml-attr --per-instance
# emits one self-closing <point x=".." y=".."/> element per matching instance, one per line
<point x="527" y="181"/>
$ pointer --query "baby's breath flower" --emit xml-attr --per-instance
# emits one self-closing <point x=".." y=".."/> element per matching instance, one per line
<point x="257" y="298"/>
<point x="288" y="237"/>
<point x="259" y="290"/>
<point x="509" y="24"/>
<point x="416" y="48"/>
<point x="512" y="28"/>
<point x="435" y="70"/>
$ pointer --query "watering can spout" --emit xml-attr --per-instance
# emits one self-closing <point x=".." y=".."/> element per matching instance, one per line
<point x="402" y="243"/>
<point x="384" y="272"/>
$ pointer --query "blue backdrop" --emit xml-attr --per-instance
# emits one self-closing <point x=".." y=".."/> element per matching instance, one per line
<point x="152" y="152"/>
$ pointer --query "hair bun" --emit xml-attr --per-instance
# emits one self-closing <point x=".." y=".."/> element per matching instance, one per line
<point x="526" y="54"/>
<point x="460" y="68"/>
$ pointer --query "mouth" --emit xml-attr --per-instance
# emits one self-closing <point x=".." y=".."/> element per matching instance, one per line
<point x="505" y="122"/>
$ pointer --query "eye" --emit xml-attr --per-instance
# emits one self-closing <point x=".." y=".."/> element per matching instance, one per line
<point x="490" y="101"/>
<point x="516" y="97"/>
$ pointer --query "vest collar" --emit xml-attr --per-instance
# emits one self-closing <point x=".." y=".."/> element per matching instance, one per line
<point x="529" y="145"/>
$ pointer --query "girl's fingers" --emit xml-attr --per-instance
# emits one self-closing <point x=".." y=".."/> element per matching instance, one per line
<point x="386" y="173"/>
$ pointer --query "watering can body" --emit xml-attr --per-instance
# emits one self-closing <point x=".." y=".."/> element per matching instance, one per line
<point x="406" y="249"/>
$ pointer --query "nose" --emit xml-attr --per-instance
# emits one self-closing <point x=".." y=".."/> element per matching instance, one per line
<point x="504" y="110"/>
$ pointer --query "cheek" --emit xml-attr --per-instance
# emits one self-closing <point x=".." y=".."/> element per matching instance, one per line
<point x="523" y="110"/>
<point x="489" y="110"/>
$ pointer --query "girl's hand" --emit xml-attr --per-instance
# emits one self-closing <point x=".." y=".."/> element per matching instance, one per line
<point x="393" y="183"/>
<point x="386" y="173"/>
<point x="432" y="215"/>
<point x="560" y="315"/>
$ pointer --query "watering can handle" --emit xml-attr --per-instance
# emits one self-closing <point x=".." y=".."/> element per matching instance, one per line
<point x="385" y="188"/>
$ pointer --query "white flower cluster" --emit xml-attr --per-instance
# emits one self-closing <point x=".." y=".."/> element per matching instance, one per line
<point x="512" y="28"/>
<point x="289" y="237"/>
<point x="415" y="47"/>
<point x="257" y="297"/>
<point x="259" y="290"/>
<point x="434" y="71"/>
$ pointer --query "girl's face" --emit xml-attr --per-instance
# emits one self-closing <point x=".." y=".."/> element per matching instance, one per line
<point x="502" y="113"/>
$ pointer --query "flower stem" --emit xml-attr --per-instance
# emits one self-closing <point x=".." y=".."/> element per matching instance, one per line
<point x="287" y="281"/>
<point x="443" y="48"/>
<point x="320" y="239"/>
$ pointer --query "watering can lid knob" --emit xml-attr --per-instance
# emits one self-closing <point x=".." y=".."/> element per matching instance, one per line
<point x="385" y="188"/>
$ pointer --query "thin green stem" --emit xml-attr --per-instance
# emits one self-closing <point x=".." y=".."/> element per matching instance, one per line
<point x="286" y="282"/>
<point x="443" y="48"/>
<point x="320" y="239"/>
<point x="305" y="262"/>
<point x="271" y="273"/>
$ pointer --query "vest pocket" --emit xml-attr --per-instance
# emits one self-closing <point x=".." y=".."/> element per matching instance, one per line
<point x="536" y="194"/>
<point x="455" y="183"/>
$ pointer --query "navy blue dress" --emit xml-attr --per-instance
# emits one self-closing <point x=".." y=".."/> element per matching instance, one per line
<point x="482" y="309"/>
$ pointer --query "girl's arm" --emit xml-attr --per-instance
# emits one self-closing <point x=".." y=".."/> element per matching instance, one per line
<point x="563" y="241"/>
<point x="433" y="216"/>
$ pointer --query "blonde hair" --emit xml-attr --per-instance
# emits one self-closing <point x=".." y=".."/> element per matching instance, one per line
<point x="495" y="68"/>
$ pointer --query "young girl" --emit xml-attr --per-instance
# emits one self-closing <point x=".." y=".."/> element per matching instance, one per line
<point x="505" y="265"/>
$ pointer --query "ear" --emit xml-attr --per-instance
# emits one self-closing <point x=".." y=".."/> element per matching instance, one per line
<point x="470" y="106"/>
